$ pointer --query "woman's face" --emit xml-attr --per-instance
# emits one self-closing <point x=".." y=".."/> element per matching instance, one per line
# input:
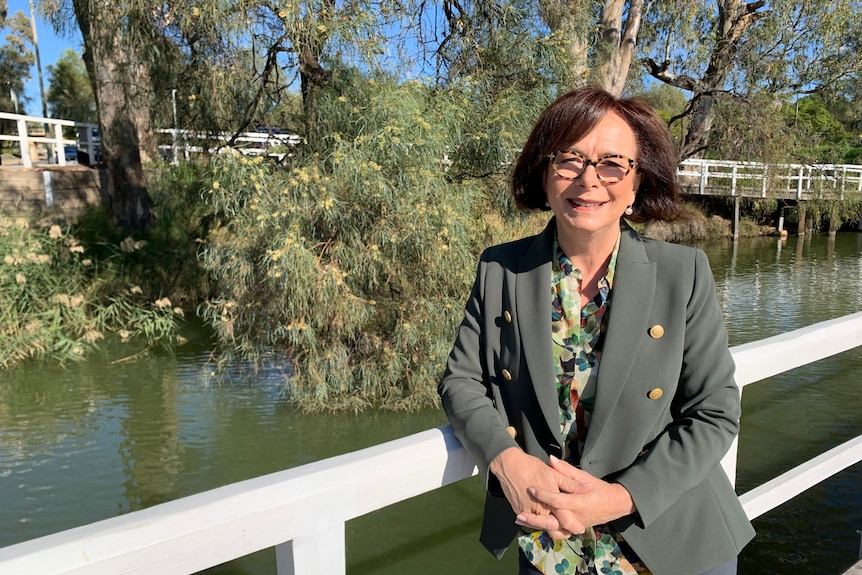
<point x="586" y="205"/>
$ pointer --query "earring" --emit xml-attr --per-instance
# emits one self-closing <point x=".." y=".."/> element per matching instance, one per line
<point x="629" y="211"/>
<point x="547" y="205"/>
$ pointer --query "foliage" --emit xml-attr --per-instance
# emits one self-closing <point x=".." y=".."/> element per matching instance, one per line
<point x="56" y="301"/>
<point x="825" y="214"/>
<point x="70" y="94"/>
<point x="752" y="128"/>
<point x="821" y="137"/>
<point x="357" y="259"/>
<point x="15" y="58"/>
<point x="744" y="48"/>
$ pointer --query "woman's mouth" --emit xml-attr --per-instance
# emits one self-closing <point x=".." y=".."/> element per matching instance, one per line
<point x="582" y="204"/>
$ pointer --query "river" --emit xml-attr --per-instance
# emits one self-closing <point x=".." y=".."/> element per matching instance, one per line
<point x="106" y="437"/>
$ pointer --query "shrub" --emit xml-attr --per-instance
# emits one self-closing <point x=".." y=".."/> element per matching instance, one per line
<point x="55" y="303"/>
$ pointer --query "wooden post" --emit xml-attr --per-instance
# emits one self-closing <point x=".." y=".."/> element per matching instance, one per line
<point x="314" y="554"/>
<point x="735" y="217"/>
<point x="781" y="231"/>
<point x="800" y="226"/>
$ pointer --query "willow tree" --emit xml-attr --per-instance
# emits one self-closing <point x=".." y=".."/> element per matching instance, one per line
<point x="356" y="261"/>
<point x="741" y="49"/>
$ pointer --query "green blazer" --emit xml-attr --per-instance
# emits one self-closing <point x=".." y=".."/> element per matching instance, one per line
<point x="666" y="411"/>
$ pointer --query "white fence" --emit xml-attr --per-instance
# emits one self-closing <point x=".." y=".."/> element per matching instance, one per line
<point x="302" y="511"/>
<point x="785" y="181"/>
<point x="34" y="133"/>
<point x="272" y="143"/>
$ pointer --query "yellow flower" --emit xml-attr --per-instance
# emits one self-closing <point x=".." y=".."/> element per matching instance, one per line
<point x="20" y="279"/>
<point x="163" y="303"/>
<point x="216" y="185"/>
<point x="55" y="232"/>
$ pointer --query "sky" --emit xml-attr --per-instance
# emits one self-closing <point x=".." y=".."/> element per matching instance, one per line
<point x="50" y="47"/>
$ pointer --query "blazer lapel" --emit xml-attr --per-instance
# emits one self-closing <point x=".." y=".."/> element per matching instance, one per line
<point x="533" y="298"/>
<point x="631" y="300"/>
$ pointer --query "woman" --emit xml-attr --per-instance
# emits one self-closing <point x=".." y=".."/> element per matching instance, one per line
<point x="590" y="378"/>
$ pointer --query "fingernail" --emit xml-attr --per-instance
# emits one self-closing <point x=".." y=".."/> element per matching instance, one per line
<point x="554" y="459"/>
<point x="520" y="520"/>
<point x="531" y="490"/>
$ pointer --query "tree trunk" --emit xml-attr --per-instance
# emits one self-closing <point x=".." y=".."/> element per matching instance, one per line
<point x="121" y="88"/>
<point x="618" y="45"/>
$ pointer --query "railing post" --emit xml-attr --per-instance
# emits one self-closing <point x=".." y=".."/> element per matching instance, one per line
<point x="313" y="554"/>
<point x="24" y="143"/>
<point x="59" y="147"/>
<point x="703" y="175"/>
<point x="799" y="183"/>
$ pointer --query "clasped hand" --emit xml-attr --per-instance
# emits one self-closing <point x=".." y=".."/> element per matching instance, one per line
<point x="560" y="499"/>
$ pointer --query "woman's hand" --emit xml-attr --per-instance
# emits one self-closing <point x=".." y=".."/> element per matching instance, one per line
<point x="517" y="472"/>
<point x="579" y="500"/>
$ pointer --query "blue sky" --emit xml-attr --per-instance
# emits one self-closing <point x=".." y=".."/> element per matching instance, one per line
<point x="50" y="47"/>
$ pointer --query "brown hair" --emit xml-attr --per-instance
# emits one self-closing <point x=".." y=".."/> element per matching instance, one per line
<point x="572" y="116"/>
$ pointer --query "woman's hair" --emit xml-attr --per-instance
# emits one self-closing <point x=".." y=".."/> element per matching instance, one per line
<point x="571" y="117"/>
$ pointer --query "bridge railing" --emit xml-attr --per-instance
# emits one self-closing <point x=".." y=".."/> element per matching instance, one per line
<point x="302" y="512"/>
<point x="32" y="133"/>
<point x="787" y="181"/>
<point x="270" y="142"/>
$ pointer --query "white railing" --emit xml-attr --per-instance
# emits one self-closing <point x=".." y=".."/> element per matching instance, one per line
<point x="273" y="144"/>
<point x="755" y="180"/>
<point x="302" y="512"/>
<point x="28" y="129"/>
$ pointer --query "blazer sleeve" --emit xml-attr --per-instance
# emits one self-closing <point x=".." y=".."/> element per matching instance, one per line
<point x="704" y="414"/>
<point x="465" y="389"/>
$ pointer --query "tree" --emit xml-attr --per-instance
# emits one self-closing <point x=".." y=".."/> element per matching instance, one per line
<point x="70" y="94"/>
<point x="746" y="48"/>
<point x="114" y="35"/>
<point x="15" y="57"/>
<point x="598" y="45"/>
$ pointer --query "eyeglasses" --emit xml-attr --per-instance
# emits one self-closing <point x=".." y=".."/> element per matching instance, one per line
<point x="610" y="169"/>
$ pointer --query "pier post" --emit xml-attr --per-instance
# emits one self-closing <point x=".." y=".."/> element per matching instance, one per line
<point x="735" y="217"/>
<point x="800" y="226"/>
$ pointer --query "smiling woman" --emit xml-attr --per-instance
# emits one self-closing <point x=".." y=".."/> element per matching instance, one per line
<point x="599" y="470"/>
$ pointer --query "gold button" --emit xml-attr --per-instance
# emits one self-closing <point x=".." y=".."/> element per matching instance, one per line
<point x="507" y="316"/>
<point x="507" y="375"/>
<point x="656" y="331"/>
<point x="655" y="393"/>
<point x="511" y="431"/>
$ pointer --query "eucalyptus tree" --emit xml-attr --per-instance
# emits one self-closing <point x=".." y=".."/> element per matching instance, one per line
<point x="741" y="49"/>
<point x="598" y="39"/>
<point x="117" y="38"/>
<point x="16" y="57"/>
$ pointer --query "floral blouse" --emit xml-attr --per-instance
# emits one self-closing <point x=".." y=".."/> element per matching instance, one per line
<point x="576" y="333"/>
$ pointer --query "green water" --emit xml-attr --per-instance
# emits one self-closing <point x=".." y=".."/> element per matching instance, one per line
<point x="103" y="438"/>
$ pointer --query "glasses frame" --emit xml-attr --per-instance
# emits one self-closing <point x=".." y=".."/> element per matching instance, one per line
<point x="633" y="165"/>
